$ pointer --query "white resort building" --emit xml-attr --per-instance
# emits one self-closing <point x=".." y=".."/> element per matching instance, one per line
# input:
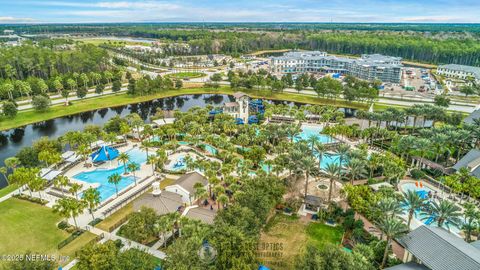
<point x="369" y="67"/>
<point x="238" y="109"/>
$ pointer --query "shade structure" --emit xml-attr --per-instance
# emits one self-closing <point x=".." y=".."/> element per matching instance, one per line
<point x="263" y="267"/>
<point x="105" y="153"/>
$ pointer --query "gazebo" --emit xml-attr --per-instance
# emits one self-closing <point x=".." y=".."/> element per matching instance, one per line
<point x="105" y="153"/>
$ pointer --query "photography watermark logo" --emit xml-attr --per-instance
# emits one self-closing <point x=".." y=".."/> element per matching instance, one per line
<point x="207" y="253"/>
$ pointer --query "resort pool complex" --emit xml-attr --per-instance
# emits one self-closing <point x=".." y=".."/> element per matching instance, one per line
<point x="308" y="130"/>
<point x="422" y="216"/>
<point x="100" y="176"/>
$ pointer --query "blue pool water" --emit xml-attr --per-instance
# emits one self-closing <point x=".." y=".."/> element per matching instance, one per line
<point x="308" y="131"/>
<point x="329" y="159"/>
<point x="177" y="164"/>
<point x="421" y="216"/>
<point x="212" y="150"/>
<point x="100" y="176"/>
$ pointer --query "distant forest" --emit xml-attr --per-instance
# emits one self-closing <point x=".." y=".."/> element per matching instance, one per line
<point x="428" y="43"/>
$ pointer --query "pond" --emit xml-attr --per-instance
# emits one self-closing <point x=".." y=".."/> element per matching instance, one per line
<point x="11" y="141"/>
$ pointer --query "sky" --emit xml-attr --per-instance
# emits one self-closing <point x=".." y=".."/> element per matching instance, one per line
<point x="90" y="11"/>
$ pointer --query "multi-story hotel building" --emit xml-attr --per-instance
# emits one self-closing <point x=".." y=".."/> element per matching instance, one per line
<point x="369" y="67"/>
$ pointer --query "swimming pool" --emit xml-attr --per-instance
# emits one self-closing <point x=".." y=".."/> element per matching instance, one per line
<point x="177" y="164"/>
<point x="100" y="176"/>
<point x="308" y="130"/>
<point x="421" y="216"/>
<point x="329" y="159"/>
<point x="212" y="150"/>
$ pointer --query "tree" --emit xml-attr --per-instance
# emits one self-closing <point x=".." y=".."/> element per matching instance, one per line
<point x="9" y="109"/>
<point x="69" y="208"/>
<point x="100" y="88"/>
<point x="467" y="90"/>
<point x="331" y="257"/>
<point x="61" y="181"/>
<point x="355" y="168"/>
<point x="75" y="188"/>
<point x="116" y="85"/>
<point x="392" y="228"/>
<point x="30" y="264"/>
<point x="445" y="213"/>
<point x="333" y="171"/>
<point x="82" y="92"/>
<point x="178" y="84"/>
<point x="91" y="196"/>
<point x="115" y="179"/>
<point x="41" y="103"/>
<point x="133" y="167"/>
<point x="442" y="101"/>
<point x="308" y="165"/>
<point x="414" y="202"/>
<point x="124" y="158"/>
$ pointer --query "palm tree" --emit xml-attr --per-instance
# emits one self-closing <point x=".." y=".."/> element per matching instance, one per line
<point x="91" y="196"/>
<point x="61" y="181"/>
<point x="343" y="150"/>
<point x="389" y="207"/>
<point x="75" y="188"/>
<point x="471" y="222"/>
<point x="413" y="201"/>
<point x="69" y="208"/>
<point x="320" y="149"/>
<point x="124" y="158"/>
<point x="223" y="199"/>
<point x="133" y="167"/>
<point x="355" y="168"/>
<point x="152" y="160"/>
<point x="392" y="228"/>
<point x="444" y="213"/>
<point x="308" y="165"/>
<point x="115" y="179"/>
<point x="333" y="171"/>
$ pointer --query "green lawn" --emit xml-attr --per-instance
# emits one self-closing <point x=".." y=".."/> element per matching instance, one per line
<point x="186" y="75"/>
<point x="319" y="234"/>
<point x="4" y="191"/>
<point x="292" y="234"/>
<point x="25" y="226"/>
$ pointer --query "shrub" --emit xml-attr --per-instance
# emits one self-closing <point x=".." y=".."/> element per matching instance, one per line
<point x="417" y="174"/>
<point x="62" y="225"/>
<point x="9" y="109"/>
<point x="41" y="103"/>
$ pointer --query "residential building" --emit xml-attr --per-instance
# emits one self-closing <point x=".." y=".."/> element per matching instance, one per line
<point x="368" y="67"/>
<point x="471" y="161"/>
<point x="429" y="247"/>
<point x="454" y="71"/>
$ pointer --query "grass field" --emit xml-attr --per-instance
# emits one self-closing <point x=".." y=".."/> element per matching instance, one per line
<point x="29" y="227"/>
<point x="186" y="75"/>
<point x="31" y="116"/>
<point x="285" y="237"/>
<point x="4" y="191"/>
<point x="25" y="226"/>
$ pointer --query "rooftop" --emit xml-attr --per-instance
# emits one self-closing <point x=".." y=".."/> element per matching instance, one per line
<point x="470" y="119"/>
<point x="471" y="69"/>
<point x="187" y="181"/>
<point x="167" y="202"/>
<point x="472" y="157"/>
<point x="438" y="249"/>
<point x="202" y="214"/>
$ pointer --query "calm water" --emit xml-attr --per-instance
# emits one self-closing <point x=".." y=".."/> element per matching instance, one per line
<point x="11" y="141"/>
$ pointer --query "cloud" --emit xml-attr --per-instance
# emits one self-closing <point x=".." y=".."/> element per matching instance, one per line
<point x="9" y="19"/>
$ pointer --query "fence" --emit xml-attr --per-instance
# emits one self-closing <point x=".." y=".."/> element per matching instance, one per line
<point x="118" y="223"/>
<point x="69" y="239"/>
